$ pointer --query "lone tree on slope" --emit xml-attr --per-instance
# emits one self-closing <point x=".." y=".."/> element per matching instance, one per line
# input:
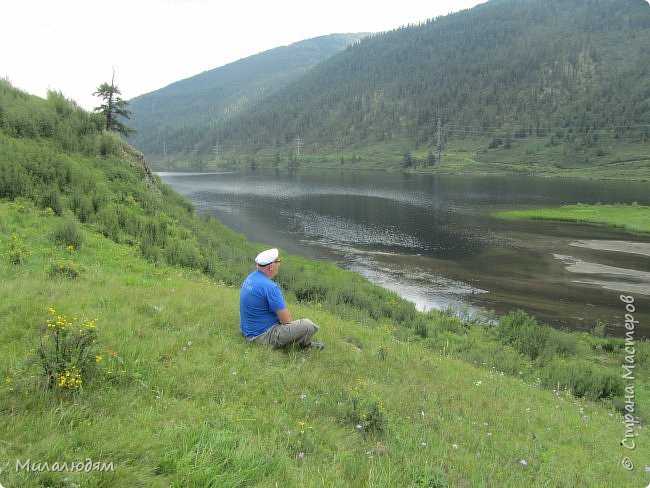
<point x="113" y="107"/>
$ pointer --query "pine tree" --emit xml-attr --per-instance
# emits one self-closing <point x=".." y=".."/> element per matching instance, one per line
<point x="113" y="107"/>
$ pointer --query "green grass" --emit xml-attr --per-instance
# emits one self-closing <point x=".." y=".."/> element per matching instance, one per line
<point x="531" y="156"/>
<point x="635" y="218"/>
<point x="180" y="399"/>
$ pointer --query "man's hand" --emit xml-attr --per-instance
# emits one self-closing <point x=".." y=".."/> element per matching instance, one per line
<point x="284" y="316"/>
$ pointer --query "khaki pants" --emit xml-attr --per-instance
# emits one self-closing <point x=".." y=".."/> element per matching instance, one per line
<point x="281" y="335"/>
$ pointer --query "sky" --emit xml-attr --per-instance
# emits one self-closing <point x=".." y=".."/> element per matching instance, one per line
<point x="73" y="46"/>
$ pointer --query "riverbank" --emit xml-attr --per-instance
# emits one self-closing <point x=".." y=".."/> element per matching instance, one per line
<point x="634" y="218"/>
<point x="471" y="156"/>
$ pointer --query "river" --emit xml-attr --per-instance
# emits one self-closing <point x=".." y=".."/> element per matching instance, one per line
<point x="432" y="239"/>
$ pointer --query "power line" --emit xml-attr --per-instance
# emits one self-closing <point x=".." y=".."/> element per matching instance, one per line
<point x="508" y="126"/>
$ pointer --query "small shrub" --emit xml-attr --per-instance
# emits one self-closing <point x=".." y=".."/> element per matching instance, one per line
<point x="67" y="233"/>
<point x="150" y="252"/>
<point x="421" y="327"/>
<point x="581" y="379"/>
<point x="345" y="297"/>
<point x="511" y="324"/>
<point x="524" y="333"/>
<point x="302" y="440"/>
<point x="109" y="223"/>
<point x="310" y="293"/>
<point x="598" y="330"/>
<point x="508" y="362"/>
<point x="612" y="345"/>
<point x="532" y="341"/>
<point x="560" y="344"/>
<point x="400" y="311"/>
<point x="64" y="269"/>
<point x="107" y="145"/>
<point x="66" y="352"/>
<point x="82" y="206"/>
<point x="366" y="410"/>
<point x="431" y="477"/>
<point x="16" y="251"/>
<point x="15" y="181"/>
<point x="47" y="212"/>
<point x="51" y="198"/>
<point x="22" y="206"/>
<point x="446" y="320"/>
<point x="642" y="356"/>
<point x="183" y="253"/>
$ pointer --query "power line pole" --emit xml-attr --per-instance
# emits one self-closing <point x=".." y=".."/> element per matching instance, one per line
<point x="216" y="151"/>
<point x="298" y="143"/>
<point x="439" y="135"/>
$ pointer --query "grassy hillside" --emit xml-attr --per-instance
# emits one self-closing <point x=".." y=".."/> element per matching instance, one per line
<point x="179" y="398"/>
<point x="120" y="348"/>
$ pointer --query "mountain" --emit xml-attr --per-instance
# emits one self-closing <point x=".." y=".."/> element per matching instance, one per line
<point x="166" y="120"/>
<point x="568" y="80"/>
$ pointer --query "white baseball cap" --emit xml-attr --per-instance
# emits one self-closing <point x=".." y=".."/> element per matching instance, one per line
<point x="267" y="257"/>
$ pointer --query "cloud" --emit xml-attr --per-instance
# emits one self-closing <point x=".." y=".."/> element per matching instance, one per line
<point x="72" y="46"/>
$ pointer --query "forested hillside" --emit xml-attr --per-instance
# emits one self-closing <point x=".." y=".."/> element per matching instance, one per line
<point x="568" y="79"/>
<point x="175" y="119"/>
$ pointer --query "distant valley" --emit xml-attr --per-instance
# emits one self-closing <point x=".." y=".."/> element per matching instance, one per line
<point x="509" y="86"/>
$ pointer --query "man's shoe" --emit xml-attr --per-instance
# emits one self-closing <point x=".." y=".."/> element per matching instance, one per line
<point x="316" y="345"/>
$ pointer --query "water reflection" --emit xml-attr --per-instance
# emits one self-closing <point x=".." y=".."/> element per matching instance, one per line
<point x="432" y="240"/>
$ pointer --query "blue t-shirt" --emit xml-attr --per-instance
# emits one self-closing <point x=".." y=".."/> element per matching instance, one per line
<point x="259" y="300"/>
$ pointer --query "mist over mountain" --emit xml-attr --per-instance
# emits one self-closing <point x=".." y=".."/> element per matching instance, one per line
<point x="573" y="74"/>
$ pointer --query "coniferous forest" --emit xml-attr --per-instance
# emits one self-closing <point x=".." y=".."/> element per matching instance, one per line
<point x="178" y="119"/>
<point x="570" y="75"/>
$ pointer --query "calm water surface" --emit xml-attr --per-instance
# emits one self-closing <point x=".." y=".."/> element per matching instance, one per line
<point x="432" y="240"/>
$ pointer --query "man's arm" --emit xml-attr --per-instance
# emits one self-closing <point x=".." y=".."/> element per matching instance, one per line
<point x="284" y="316"/>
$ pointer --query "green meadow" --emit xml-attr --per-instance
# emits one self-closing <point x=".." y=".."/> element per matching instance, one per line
<point x="532" y="156"/>
<point x="634" y="218"/>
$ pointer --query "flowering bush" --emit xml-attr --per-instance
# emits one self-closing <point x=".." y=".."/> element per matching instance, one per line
<point x="302" y="441"/>
<point x="16" y="251"/>
<point x="64" y="269"/>
<point x="366" y="409"/>
<point x="66" y="353"/>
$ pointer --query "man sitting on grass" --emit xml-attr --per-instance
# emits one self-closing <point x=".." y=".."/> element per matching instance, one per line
<point x="264" y="317"/>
